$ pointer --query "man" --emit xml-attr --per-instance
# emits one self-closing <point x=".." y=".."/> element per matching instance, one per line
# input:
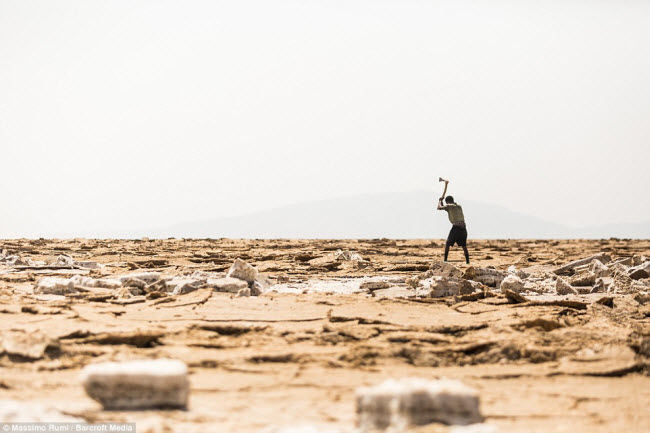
<point x="458" y="233"/>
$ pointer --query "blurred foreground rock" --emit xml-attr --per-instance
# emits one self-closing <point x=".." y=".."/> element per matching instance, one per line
<point x="399" y="404"/>
<point x="146" y="384"/>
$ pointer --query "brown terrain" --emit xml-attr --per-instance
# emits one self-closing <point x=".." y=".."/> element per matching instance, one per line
<point x="541" y="362"/>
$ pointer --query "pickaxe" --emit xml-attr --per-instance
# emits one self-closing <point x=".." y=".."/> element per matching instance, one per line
<point x="446" y="183"/>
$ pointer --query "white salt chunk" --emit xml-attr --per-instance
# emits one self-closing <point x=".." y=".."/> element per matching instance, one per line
<point x="142" y="384"/>
<point x="437" y="287"/>
<point x="147" y="277"/>
<point x="242" y="270"/>
<point x="562" y="287"/>
<point x="512" y="282"/>
<point x="412" y="402"/>
<point x="227" y="284"/>
<point x="54" y="286"/>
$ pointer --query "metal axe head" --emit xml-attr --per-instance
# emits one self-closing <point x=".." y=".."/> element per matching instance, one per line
<point x="442" y="180"/>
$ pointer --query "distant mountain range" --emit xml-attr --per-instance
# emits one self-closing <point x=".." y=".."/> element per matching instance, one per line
<point x="403" y="215"/>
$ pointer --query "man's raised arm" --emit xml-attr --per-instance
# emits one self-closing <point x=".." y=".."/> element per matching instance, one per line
<point x="440" y="205"/>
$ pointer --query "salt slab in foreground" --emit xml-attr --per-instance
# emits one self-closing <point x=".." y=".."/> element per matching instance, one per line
<point x="142" y="384"/>
<point x="413" y="402"/>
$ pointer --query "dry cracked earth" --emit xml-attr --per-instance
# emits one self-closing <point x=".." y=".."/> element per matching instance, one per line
<point x="574" y="363"/>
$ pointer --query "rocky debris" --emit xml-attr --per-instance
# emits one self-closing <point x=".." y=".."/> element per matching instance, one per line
<point x="158" y="286"/>
<point x="8" y="258"/>
<point x="589" y="275"/>
<point x="428" y="284"/>
<point x="512" y="282"/>
<point x="600" y="286"/>
<point x="260" y="284"/>
<point x="106" y="283"/>
<point x="349" y="259"/>
<point x="136" y="299"/>
<point x="146" y="384"/>
<point x="374" y="285"/>
<point x="587" y="278"/>
<point x="12" y="411"/>
<point x="398" y="404"/>
<point x="197" y="297"/>
<point x="607" y="301"/>
<point x="514" y="297"/>
<point x="489" y="276"/>
<point x="227" y="284"/>
<point x="638" y="260"/>
<point x="243" y="271"/>
<point x="135" y="282"/>
<point x="347" y="256"/>
<point x="181" y="285"/>
<point x="17" y="261"/>
<point x="156" y="295"/>
<point x="241" y="275"/>
<point x="621" y="281"/>
<point x="414" y="281"/>
<point x="28" y="346"/>
<point x="625" y="261"/>
<point x="76" y="284"/>
<point x="512" y="270"/>
<point x="641" y="285"/>
<point x="88" y="265"/>
<point x="539" y="285"/>
<point x="185" y="288"/>
<point x="640" y="271"/>
<point x="443" y="269"/>
<point x="54" y="286"/>
<point x="127" y="292"/>
<point x="618" y="269"/>
<point x="149" y="263"/>
<point x="437" y="269"/>
<point x="246" y="272"/>
<point x="65" y="261"/>
<point x="642" y="298"/>
<point x="569" y="268"/>
<point x="244" y="293"/>
<point x="92" y="294"/>
<point x="562" y="287"/>
<point x="147" y="277"/>
<point x="598" y="268"/>
<point x="437" y="287"/>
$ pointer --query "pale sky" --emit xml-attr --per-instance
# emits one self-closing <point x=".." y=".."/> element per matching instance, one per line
<point x="132" y="114"/>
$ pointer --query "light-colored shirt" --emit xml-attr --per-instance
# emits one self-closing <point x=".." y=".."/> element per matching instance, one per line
<point x="455" y="213"/>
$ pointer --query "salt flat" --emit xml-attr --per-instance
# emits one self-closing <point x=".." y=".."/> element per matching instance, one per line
<point x="296" y="353"/>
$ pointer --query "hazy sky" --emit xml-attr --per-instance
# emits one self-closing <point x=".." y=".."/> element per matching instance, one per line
<point x="129" y="114"/>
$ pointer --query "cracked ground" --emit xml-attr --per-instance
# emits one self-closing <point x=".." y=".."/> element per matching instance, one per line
<point x="291" y="359"/>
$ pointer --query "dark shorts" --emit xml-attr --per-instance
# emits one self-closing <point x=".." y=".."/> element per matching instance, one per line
<point x="458" y="236"/>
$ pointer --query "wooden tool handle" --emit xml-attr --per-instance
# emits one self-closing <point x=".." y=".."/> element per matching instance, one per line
<point x="445" y="191"/>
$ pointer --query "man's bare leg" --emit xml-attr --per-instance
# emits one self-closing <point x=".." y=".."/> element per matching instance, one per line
<point x="446" y="251"/>
<point x="466" y="255"/>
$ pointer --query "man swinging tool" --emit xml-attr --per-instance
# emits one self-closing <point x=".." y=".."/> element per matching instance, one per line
<point x="458" y="233"/>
